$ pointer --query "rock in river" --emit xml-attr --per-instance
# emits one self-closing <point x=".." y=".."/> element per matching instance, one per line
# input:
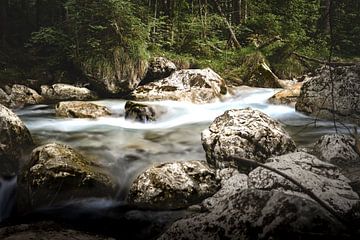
<point x="173" y="185"/>
<point x="323" y="179"/>
<point x="65" y="92"/>
<point x="142" y="112"/>
<point x="77" y="109"/>
<point x="191" y="85"/>
<point x="15" y="138"/>
<point x="57" y="173"/>
<point x="320" y="93"/>
<point x="258" y="214"/>
<point x="244" y="133"/>
<point x="20" y="96"/>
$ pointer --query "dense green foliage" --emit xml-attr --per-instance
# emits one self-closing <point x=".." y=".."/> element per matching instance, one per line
<point x="52" y="40"/>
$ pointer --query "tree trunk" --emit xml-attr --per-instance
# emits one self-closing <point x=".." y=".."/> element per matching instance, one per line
<point x="3" y="21"/>
<point x="236" y="12"/>
<point x="232" y="33"/>
<point x="324" y="21"/>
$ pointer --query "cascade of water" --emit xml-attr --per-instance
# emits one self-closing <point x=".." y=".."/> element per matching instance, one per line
<point x="7" y="196"/>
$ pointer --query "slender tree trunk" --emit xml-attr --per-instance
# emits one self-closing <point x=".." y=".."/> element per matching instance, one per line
<point x="232" y="33"/>
<point x="245" y="10"/>
<point x="3" y="21"/>
<point x="236" y="12"/>
<point x="324" y="21"/>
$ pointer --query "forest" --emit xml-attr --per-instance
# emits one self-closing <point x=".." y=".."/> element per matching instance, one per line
<point x="59" y="39"/>
<point x="179" y="119"/>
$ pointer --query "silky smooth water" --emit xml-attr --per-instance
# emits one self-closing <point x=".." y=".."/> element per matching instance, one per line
<point x="126" y="148"/>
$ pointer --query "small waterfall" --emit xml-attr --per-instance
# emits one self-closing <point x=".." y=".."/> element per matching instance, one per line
<point x="7" y="196"/>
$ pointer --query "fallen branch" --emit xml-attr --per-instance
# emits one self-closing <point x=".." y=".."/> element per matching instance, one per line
<point x="254" y="164"/>
<point x="303" y="57"/>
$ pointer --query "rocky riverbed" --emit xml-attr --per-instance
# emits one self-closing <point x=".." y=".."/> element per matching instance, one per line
<point x="169" y="169"/>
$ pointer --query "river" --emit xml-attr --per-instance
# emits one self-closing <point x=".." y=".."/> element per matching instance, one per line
<point x="125" y="148"/>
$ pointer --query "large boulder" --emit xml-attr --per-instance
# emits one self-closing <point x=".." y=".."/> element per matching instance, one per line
<point x="118" y="78"/>
<point x="173" y="185"/>
<point x="340" y="150"/>
<point x="142" y="112"/>
<point x="244" y="133"/>
<point x="323" y="179"/>
<point x="258" y="214"/>
<point x="66" y="92"/>
<point x="191" y="85"/>
<point x="4" y="98"/>
<point x="57" y="173"/>
<point x="21" y="96"/>
<point x="339" y="96"/>
<point x="15" y="139"/>
<point x="159" y="68"/>
<point x="77" y="109"/>
<point x="262" y="76"/>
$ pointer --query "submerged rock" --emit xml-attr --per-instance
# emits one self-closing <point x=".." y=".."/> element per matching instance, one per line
<point x="142" y="112"/>
<point x="77" y="109"/>
<point x="173" y="185"/>
<point x="191" y="85"/>
<point x="323" y="179"/>
<point x="159" y="68"/>
<point x="244" y="133"/>
<point x="316" y="94"/>
<point x="258" y="214"/>
<point x="65" y="92"/>
<point x="57" y="173"/>
<point x="15" y="138"/>
<point x="340" y="150"/>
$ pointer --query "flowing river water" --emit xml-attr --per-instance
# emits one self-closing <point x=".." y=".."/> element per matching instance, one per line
<point x="125" y="148"/>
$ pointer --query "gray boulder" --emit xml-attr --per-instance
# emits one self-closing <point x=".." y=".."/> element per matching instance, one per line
<point x="21" y="96"/>
<point x="191" y="85"/>
<point x="15" y="139"/>
<point x="340" y="150"/>
<point x="244" y="133"/>
<point x="142" y="112"/>
<point x="173" y="185"/>
<point x="323" y="179"/>
<point x="66" y="92"/>
<point x="159" y="68"/>
<point x="4" y="98"/>
<point x="57" y="173"/>
<point x="258" y="214"/>
<point x="77" y="109"/>
<point x="316" y="94"/>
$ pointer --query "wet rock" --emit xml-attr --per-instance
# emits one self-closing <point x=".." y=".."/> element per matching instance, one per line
<point x="66" y="92"/>
<point x="258" y="214"/>
<point x="173" y="185"/>
<point x="262" y="76"/>
<point x="340" y="150"/>
<point x="159" y="68"/>
<point x="44" y="231"/>
<point x="316" y="94"/>
<point x="231" y="182"/>
<point x="287" y="96"/>
<point x="191" y="85"/>
<point x="77" y="109"/>
<point x="57" y="173"/>
<point x="142" y="112"/>
<point x="15" y="139"/>
<point x="244" y="133"/>
<point x="323" y="179"/>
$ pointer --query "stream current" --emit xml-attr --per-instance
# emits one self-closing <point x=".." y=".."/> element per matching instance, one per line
<point x="125" y="148"/>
